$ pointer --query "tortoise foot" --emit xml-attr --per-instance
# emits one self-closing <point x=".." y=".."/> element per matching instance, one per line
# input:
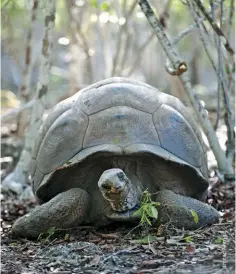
<point x="184" y="211"/>
<point x="67" y="209"/>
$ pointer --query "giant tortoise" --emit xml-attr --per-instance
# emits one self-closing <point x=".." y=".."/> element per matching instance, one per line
<point x="100" y="149"/>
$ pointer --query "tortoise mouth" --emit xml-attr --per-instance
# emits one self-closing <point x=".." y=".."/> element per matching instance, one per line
<point x="126" y="200"/>
<point x="117" y="189"/>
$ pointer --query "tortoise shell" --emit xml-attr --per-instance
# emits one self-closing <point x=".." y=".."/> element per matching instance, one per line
<point x="116" y="116"/>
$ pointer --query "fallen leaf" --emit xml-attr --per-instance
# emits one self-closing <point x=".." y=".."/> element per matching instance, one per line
<point x="95" y="261"/>
<point x="160" y="230"/>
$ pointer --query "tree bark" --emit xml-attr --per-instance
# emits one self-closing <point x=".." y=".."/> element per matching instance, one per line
<point x="24" y="91"/>
<point x="16" y="180"/>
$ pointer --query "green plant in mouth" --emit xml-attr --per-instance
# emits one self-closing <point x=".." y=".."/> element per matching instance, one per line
<point x="148" y="209"/>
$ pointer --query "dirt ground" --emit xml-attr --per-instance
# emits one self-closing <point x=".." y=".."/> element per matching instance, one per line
<point x="121" y="248"/>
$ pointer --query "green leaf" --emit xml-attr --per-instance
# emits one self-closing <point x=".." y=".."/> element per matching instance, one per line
<point x="195" y="216"/>
<point x="219" y="240"/>
<point x="188" y="239"/>
<point x="150" y="210"/>
<point x="116" y="141"/>
<point x="105" y="6"/>
<point x="154" y="212"/>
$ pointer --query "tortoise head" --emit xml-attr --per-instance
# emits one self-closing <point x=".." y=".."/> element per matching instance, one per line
<point x="116" y="188"/>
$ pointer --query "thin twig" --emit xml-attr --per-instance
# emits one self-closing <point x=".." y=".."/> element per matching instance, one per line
<point x="202" y="35"/>
<point x="12" y="113"/>
<point x="220" y="70"/>
<point x="186" y="31"/>
<point x="215" y="27"/>
<point x="119" y="38"/>
<point x="175" y="60"/>
<point x="139" y="53"/>
<point x="126" y="50"/>
<point x="81" y="39"/>
<point x="218" y="43"/>
<point x="231" y="15"/>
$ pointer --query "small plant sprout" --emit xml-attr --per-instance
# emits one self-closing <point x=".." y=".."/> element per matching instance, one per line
<point x="46" y="236"/>
<point x="188" y="239"/>
<point x="147" y="209"/>
<point x="195" y="216"/>
<point x="219" y="240"/>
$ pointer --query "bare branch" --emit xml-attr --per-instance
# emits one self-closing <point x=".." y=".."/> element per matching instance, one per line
<point x="80" y="37"/>
<point x="175" y="59"/>
<point x="126" y="50"/>
<point x="121" y="32"/>
<point x="228" y="116"/>
<point x="231" y="15"/>
<point x="215" y="27"/>
<point x="139" y="51"/>
<point x="202" y="34"/>
<point x="219" y="71"/>
<point x="163" y="39"/>
<point x="218" y="43"/>
<point x="13" y="113"/>
<point x="183" y="33"/>
<point x="24" y="89"/>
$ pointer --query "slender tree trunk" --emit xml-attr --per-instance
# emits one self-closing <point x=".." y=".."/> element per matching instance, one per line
<point x="16" y="180"/>
<point x="24" y="91"/>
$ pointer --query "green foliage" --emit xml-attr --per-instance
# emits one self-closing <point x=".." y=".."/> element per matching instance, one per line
<point x="12" y="4"/>
<point x="12" y="9"/>
<point x="93" y="3"/>
<point x="195" y="216"/>
<point x="105" y="6"/>
<point x="188" y="239"/>
<point x="219" y="240"/>
<point x="147" y="209"/>
<point x="46" y="236"/>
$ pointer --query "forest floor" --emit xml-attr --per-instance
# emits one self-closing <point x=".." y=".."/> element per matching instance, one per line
<point x="119" y="248"/>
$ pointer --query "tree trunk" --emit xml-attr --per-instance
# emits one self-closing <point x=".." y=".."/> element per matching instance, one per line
<point x="16" y="180"/>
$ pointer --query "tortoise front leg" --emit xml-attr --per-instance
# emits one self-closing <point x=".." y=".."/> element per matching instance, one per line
<point x="66" y="210"/>
<point x="180" y="211"/>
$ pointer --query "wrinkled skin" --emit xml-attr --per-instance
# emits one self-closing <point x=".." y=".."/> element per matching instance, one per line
<point x="121" y="198"/>
<point x="118" y="190"/>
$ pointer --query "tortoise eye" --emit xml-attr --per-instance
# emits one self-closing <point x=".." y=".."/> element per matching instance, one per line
<point x="106" y="186"/>
<point x="121" y="176"/>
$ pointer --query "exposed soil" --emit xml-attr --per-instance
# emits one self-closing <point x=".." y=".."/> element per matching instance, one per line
<point x="119" y="248"/>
